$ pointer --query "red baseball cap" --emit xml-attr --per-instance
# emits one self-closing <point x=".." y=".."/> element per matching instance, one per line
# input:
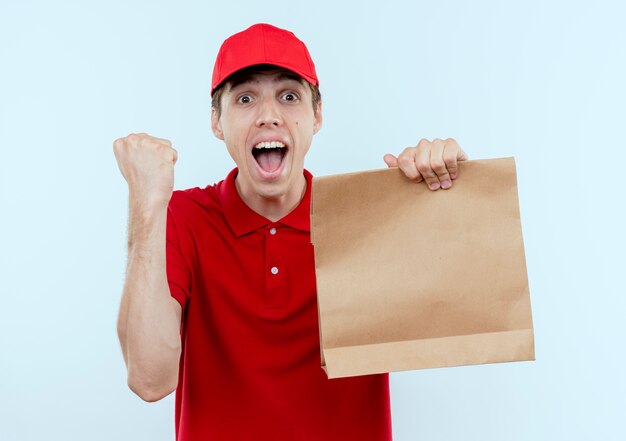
<point x="263" y="44"/>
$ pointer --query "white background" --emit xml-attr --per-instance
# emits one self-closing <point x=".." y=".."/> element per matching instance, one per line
<point x="543" y="81"/>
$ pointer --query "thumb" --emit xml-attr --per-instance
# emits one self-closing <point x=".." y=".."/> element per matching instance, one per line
<point x="390" y="160"/>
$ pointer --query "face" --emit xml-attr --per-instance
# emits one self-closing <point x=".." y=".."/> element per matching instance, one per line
<point x="267" y="122"/>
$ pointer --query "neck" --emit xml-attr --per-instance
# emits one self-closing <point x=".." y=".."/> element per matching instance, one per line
<point x="273" y="208"/>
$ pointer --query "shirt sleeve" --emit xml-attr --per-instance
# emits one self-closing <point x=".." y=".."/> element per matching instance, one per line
<point x="178" y="274"/>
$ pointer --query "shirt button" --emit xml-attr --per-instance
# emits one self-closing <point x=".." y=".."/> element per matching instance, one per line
<point x="272" y="230"/>
<point x="274" y="270"/>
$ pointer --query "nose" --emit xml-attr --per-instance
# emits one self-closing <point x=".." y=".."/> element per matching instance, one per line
<point x="269" y="114"/>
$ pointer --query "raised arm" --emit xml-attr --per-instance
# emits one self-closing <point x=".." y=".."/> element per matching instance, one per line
<point x="149" y="318"/>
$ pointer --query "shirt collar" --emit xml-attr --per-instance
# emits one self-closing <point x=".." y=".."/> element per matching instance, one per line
<point x="243" y="220"/>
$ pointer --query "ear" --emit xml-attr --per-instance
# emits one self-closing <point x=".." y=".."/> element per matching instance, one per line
<point x="317" y="122"/>
<point x="216" y="125"/>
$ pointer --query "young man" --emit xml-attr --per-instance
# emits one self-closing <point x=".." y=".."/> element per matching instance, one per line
<point x="219" y="301"/>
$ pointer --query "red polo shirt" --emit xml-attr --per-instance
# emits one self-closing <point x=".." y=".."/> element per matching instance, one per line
<point x="250" y="364"/>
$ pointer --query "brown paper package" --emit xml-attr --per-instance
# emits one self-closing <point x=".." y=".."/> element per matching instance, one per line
<point x="409" y="278"/>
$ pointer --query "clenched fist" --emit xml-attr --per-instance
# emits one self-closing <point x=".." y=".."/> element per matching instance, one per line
<point x="147" y="164"/>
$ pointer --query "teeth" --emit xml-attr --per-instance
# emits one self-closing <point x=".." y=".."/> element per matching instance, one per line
<point x="269" y="145"/>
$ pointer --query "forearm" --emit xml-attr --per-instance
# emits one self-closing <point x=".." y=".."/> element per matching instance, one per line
<point x="148" y="324"/>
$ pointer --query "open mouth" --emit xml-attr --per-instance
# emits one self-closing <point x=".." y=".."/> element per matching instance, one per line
<point x="269" y="155"/>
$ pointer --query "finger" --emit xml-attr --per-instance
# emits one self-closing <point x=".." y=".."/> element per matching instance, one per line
<point x="462" y="156"/>
<point x="451" y="155"/>
<point x="438" y="164"/>
<point x="422" y="162"/>
<point x="390" y="160"/>
<point x="164" y="141"/>
<point x="117" y="145"/>
<point x="406" y="162"/>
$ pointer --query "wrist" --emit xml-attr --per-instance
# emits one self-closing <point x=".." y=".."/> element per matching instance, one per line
<point x="147" y="204"/>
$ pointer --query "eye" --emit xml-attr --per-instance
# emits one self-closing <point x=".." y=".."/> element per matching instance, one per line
<point x="289" y="96"/>
<point x="244" y="99"/>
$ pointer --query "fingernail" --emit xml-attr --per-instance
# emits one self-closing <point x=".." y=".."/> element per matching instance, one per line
<point x="453" y="175"/>
<point x="446" y="184"/>
<point x="434" y="186"/>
